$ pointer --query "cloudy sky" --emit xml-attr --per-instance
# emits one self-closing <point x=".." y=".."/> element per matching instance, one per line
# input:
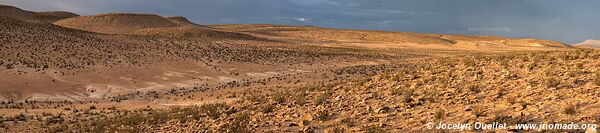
<point x="560" y="20"/>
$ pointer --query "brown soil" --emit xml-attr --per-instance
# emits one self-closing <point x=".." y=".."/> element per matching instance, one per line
<point x="123" y="72"/>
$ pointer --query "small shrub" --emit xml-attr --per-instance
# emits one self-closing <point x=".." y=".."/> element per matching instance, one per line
<point x="212" y="110"/>
<point x="239" y="124"/>
<point x="511" y="99"/>
<point x="439" y="114"/>
<point x="337" y="129"/>
<point x="280" y="97"/>
<point x="552" y="82"/>
<point x="396" y="91"/>
<point x="500" y="92"/>
<point x="256" y="98"/>
<point x="579" y="65"/>
<point x="300" y="99"/>
<point x="407" y="95"/>
<point x="349" y="121"/>
<point x="267" y="108"/>
<point x="321" y="99"/>
<point x="569" y="109"/>
<point x="478" y="111"/>
<point x="324" y="115"/>
<point x="473" y="88"/>
<point x="597" y="79"/>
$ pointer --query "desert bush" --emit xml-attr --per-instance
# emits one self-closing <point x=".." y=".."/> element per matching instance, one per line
<point x="396" y="91"/>
<point x="597" y="77"/>
<point x="500" y="92"/>
<point x="478" y="111"/>
<point x="511" y="99"/>
<point x="439" y="114"/>
<point x="59" y="128"/>
<point x="374" y="129"/>
<point x="267" y="108"/>
<point x="321" y="99"/>
<point x="239" y="124"/>
<point x="569" y="109"/>
<point x="300" y="99"/>
<point x="469" y="62"/>
<point x="136" y="119"/>
<point x="256" y="98"/>
<point x="552" y="82"/>
<point x="337" y="129"/>
<point x="407" y="95"/>
<point x="324" y="115"/>
<point x="549" y="72"/>
<point x="212" y="110"/>
<point x="348" y="121"/>
<point x="579" y="65"/>
<point x="280" y="97"/>
<point x="473" y="88"/>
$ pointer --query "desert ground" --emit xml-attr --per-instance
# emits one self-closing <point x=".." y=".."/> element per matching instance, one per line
<point x="127" y="72"/>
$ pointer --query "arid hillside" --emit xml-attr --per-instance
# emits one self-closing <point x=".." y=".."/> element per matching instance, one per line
<point x="14" y="12"/>
<point x="395" y="39"/>
<point x="589" y="43"/>
<point x="74" y="52"/>
<point x="127" y="72"/>
<point x="116" y="23"/>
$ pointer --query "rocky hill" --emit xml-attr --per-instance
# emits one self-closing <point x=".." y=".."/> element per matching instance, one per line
<point x="116" y="23"/>
<point x="49" y="17"/>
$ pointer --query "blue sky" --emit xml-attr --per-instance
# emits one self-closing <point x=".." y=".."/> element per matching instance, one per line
<point x="560" y="20"/>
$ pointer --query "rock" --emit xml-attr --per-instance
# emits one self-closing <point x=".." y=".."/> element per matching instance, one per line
<point x="468" y="108"/>
<point x="292" y="124"/>
<point x="385" y="115"/>
<point x="309" y="129"/>
<point x="384" y="109"/>
<point x="308" y="117"/>
<point x="303" y="123"/>
<point x="289" y="129"/>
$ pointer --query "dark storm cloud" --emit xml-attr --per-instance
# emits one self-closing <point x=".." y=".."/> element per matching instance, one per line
<point x="567" y="21"/>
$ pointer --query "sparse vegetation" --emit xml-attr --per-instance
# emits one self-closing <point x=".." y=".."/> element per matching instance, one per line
<point x="474" y="88"/>
<point x="597" y="77"/>
<point x="280" y="97"/>
<point x="321" y="99"/>
<point x="324" y="115"/>
<point x="276" y="78"/>
<point x="267" y="108"/>
<point x="439" y="114"/>
<point x="239" y="124"/>
<point x="374" y="129"/>
<point x="407" y="95"/>
<point x="552" y="82"/>
<point x="569" y="109"/>
<point x="478" y="110"/>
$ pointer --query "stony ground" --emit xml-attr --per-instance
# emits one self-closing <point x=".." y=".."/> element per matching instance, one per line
<point x="527" y="87"/>
<point x="170" y="75"/>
